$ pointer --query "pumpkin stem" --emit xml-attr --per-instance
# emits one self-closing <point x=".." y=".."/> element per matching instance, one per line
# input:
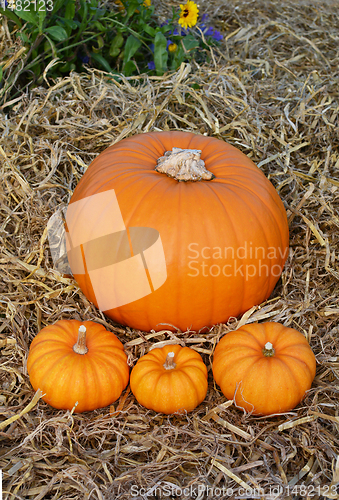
<point x="80" y="346"/>
<point x="184" y="165"/>
<point x="268" y="350"/>
<point x="169" y="363"/>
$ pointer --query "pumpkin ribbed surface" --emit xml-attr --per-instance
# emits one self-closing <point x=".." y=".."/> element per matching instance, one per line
<point x="225" y="240"/>
<point x="179" y="389"/>
<point x="94" y="379"/>
<point x="261" y="379"/>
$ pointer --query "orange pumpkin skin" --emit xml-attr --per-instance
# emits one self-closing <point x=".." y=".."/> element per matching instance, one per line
<point x="225" y="240"/>
<point x="261" y="384"/>
<point x="94" y="379"/>
<point x="169" y="391"/>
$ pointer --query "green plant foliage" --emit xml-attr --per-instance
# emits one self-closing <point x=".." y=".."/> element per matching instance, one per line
<point x="160" y="53"/>
<point x="66" y="35"/>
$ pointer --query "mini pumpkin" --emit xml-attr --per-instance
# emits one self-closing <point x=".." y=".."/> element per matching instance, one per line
<point x="170" y="379"/>
<point x="77" y="362"/>
<point x="175" y="228"/>
<point x="264" y="367"/>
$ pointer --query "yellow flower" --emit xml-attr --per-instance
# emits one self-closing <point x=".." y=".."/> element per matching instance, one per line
<point x="120" y="5"/>
<point x="172" y="47"/>
<point x="189" y="14"/>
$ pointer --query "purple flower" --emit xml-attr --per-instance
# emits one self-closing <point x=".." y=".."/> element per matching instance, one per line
<point x="217" y="36"/>
<point x="208" y="32"/>
<point x="151" y="65"/>
<point x="174" y="32"/>
<point x="83" y="58"/>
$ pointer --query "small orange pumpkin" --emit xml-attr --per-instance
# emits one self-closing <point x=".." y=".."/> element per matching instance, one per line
<point x="170" y="379"/>
<point x="78" y="362"/>
<point x="264" y="367"/>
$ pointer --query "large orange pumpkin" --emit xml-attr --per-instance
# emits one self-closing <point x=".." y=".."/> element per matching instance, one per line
<point x="170" y="379"/>
<point x="265" y="367"/>
<point x="77" y="362"/>
<point x="150" y="249"/>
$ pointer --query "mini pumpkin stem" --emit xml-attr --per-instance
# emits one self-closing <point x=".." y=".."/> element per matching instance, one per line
<point x="268" y="350"/>
<point x="169" y="363"/>
<point x="184" y="165"/>
<point x="80" y="345"/>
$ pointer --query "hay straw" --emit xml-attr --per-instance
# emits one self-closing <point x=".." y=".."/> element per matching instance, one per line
<point x="27" y="408"/>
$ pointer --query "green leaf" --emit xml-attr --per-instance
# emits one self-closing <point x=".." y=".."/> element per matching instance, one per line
<point x="102" y="61"/>
<point x="57" y="33"/>
<point x="148" y="29"/>
<point x="52" y="45"/>
<point x="116" y="44"/>
<point x="0" y="73"/>
<point x="147" y="12"/>
<point x="8" y="13"/>
<point x="99" y="13"/>
<point x="100" y="26"/>
<point x="101" y="43"/>
<point x="131" y="8"/>
<point x="179" y="57"/>
<point x="29" y="16"/>
<point x="160" y="53"/>
<point x="83" y="6"/>
<point x="190" y="42"/>
<point x="58" y="4"/>
<point x="83" y="11"/>
<point x="129" y="67"/>
<point x="132" y="45"/>
<point x="65" y="67"/>
<point x="41" y="14"/>
<point x="37" y="69"/>
<point x="70" y="9"/>
<point x="165" y="28"/>
<point x="70" y="25"/>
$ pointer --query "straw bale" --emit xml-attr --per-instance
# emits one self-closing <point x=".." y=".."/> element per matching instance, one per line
<point x="272" y="91"/>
